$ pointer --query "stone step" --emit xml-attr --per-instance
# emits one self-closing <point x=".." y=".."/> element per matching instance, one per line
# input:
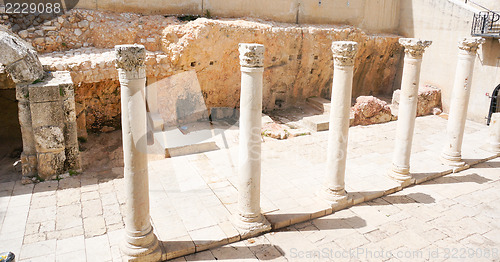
<point x="173" y="142"/>
<point x="319" y="103"/>
<point x="319" y="123"/>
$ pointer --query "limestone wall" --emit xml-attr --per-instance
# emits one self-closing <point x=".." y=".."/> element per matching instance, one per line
<point x="444" y="22"/>
<point x="297" y="64"/>
<point x="372" y="15"/>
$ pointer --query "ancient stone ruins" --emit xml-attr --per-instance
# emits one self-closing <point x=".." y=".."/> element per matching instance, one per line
<point x="223" y="76"/>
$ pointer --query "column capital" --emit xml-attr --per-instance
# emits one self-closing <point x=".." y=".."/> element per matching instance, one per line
<point x="470" y="44"/>
<point x="251" y="55"/>
<point x="344" y="52"/>
<point x="130" y="57"/>
<point x="414" y="47"/>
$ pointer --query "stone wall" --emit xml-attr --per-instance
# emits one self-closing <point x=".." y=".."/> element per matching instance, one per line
<point x="87" y="28"/>
<point x="298" y="63"/>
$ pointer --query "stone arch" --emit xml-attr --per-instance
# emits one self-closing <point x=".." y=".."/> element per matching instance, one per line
<point x="18" y="58"/>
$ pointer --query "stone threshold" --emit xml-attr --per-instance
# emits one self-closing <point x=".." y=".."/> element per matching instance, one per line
<point x="425" y="166"/>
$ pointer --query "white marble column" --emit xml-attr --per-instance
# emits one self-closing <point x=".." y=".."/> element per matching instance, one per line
<point x="140" y="242"/>
<point x="414" y="50"/>
<point x="452" y="151"/>
<point x="333" y="189"/>
<point x="249" y="218"/>
<point x="494" y="141"/>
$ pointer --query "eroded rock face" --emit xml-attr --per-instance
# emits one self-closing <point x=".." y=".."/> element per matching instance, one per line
<point x="298" y="60"/>
<point x="18" y="57"/>
<point x="370" y="110"/>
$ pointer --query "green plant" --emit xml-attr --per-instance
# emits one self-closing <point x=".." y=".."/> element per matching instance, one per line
<point x="37" y="81"/>
<point x="207" y="14"/>
<point x="73" y="172"/>
<point x="82" y="139"/>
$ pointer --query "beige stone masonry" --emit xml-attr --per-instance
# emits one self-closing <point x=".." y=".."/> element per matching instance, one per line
<point x="452" y="151"/>
<point x="414" y="50"/>
<point x="334" y="185"/>
<point x="140" y="243"/>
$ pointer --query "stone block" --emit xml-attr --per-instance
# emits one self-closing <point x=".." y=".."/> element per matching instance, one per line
<point x="44" y="93"/>
<point x="47" y="114"/>
<point x="48" y="138"/>
<point x="25" y="70"/>
<point x="316" y="123"/>
<point x="50" y="163"/>
<point x="320" y="103"/>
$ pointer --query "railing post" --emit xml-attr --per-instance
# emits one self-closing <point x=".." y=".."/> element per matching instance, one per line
<point x="140" y="242"/>
<point x="414" y="50"/>
<point x="249" y="219"/>
<point x="452" y="152"/>
<point x="333" y="189"/>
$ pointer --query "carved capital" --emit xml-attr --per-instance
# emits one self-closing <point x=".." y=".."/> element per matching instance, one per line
<point x="344" y="52"/>
<point x="414" y="47"/>
<point x="470" y="44"/>
<point x="251" y="55"/>
<point x="130" y="57"/>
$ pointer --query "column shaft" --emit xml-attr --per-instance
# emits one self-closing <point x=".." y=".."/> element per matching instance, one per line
<point x="249" y="219"/>
<point x="414" y="50"/>
<point x="452" y="152"/>
<point x="334" y="187"/>
<point x="140" y="242"/>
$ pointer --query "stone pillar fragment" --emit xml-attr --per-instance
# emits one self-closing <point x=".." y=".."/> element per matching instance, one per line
<point x="334" y="187"/>
<point x="28" y="156"/>
<point x="249" y="218"/>
<point x="414" y="50"/>
<point x="47" y="118"/>
<point x="452" y="152"/>
<point x="494" y="141"/>
<point x="140" y="242"/>
<point x="72" y="151"/>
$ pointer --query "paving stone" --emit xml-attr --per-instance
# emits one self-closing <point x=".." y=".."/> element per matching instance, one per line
<point x="94" y="226"/>
<point x="98" y="248"/>
<point x="33" y="250"/>
<point x="76" y="256"/>
<point x="71" y="244"/>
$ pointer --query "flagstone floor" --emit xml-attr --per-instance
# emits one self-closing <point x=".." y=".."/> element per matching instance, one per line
<point x="193" y="197"/>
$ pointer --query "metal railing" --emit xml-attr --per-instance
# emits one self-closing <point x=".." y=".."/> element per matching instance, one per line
<point x="485" y="23"/>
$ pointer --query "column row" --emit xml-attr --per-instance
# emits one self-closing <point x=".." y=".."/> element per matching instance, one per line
<point x="140" y="242"/>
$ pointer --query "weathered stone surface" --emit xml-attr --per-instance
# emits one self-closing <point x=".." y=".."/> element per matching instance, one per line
<point x="429" y="101"/>
<point x="51" y="163"/>
<point x="48" y="138"/>
<point x="370" y="110"/>
<point x="18" y="57"/>
<point x="297" y="62"/>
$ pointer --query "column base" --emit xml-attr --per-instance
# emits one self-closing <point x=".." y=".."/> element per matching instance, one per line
<point x="400" y="175"/>
<point x="338" y="199"/>
<point x="453" y="161"/>
<point x="143" y="248"/>
<point x="249" y="227"/>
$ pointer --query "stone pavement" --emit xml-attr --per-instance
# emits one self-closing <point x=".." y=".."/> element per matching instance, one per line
<point x="455" y="217"/>
<point x="192" y="197"/>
